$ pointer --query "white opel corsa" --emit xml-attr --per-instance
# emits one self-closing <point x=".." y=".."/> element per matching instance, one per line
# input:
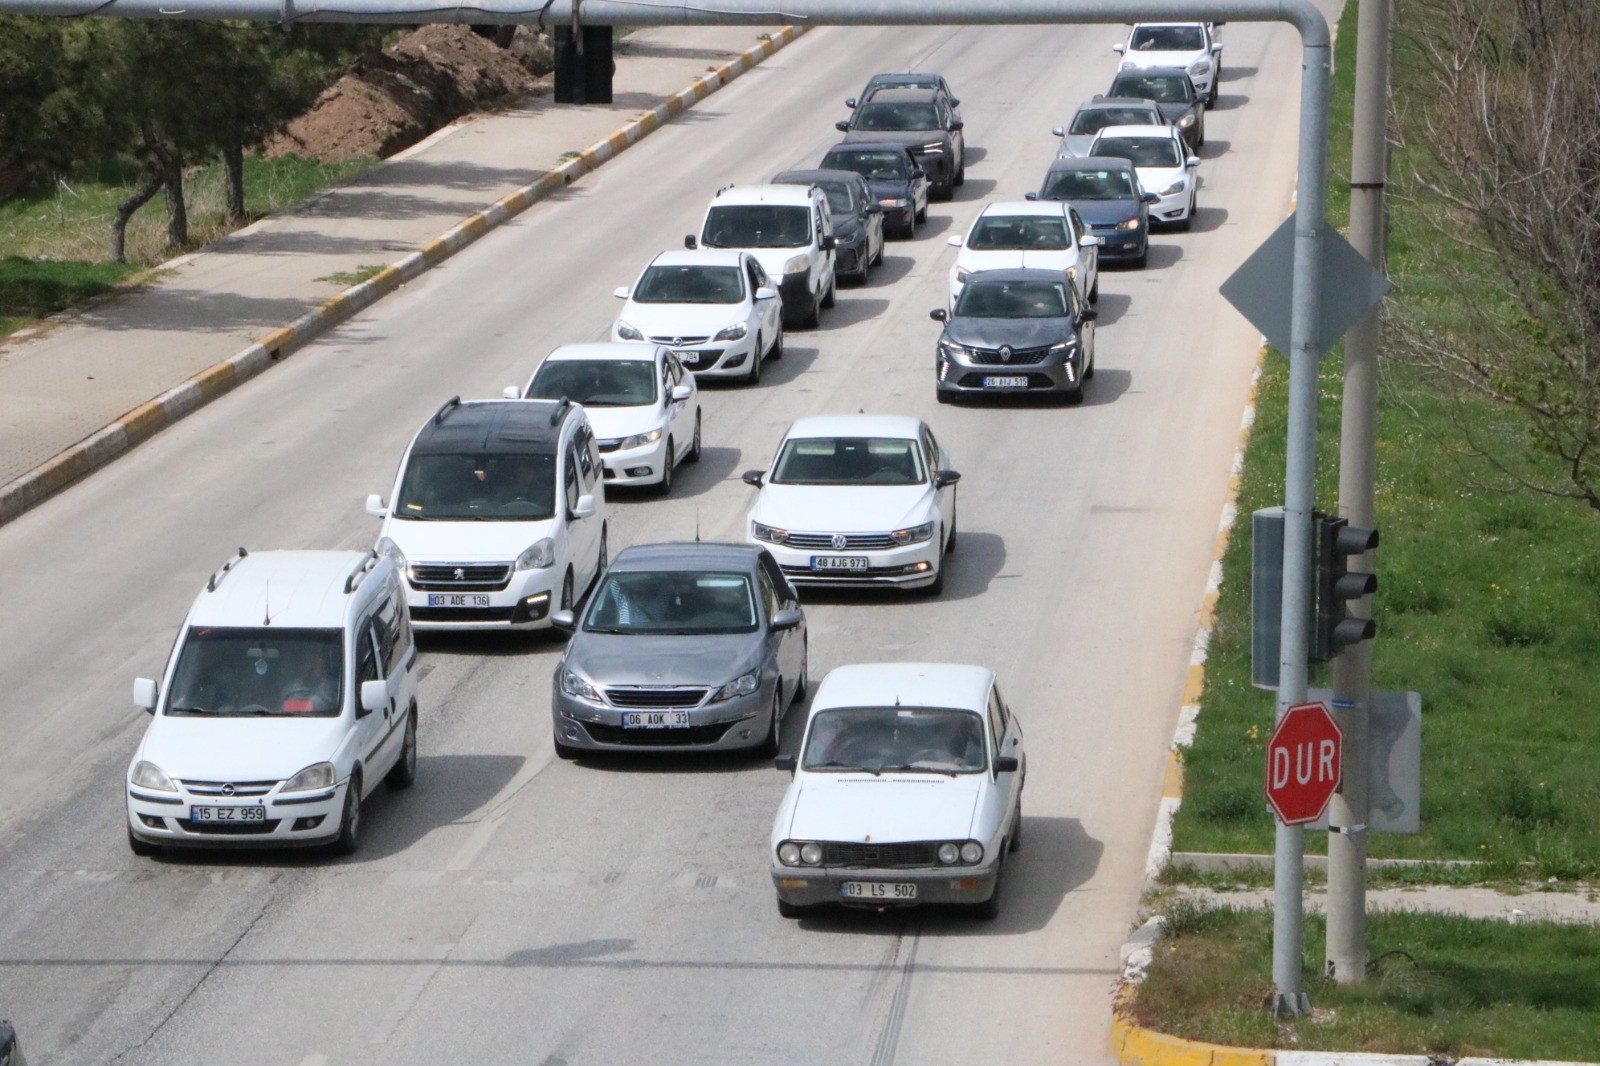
<point x="907" y="790"/>
<point x="1164" y="166"/>
<point x="290" y="693"/>
<point x="1038" y="234"/>
<point x="717" y="309"/>
<point x="857" y="500"/>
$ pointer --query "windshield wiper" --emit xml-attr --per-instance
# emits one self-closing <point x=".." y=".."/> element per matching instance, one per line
<point x="187" y="710"/>
<point x="918" y="770"/>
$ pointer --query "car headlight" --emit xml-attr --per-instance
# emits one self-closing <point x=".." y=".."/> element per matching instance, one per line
<point x="742" y="685"/>
<point x="149" y="775"/>
<point x="573" y="685"/>
<point x="949" y="854"/>
<point x="811" y="854"/>
<point x="1186" y="121"/>
<point x="789" y="853"/>
<point x="1200" y="66"/>
<point x="796" y="264"/>
<point x="914" y="535"/>
<point x="733" y="332"/>
<point x="770" y="534"/>
<point x="628" y="332"/>
<point x="539" y="555"/>
<point x="638" y="440"/>
<point x="1131" y="224"/>
<point x="963" y="273"/>
<point x="951" y="350"/>
<point x="390" y="550"/>
<point x="936" y="148"/>
<point x="892" y="201"/>
<point x="316" y="776"/>
<point x="1175" y="187"/>
<point x="1127" y="64"/>
<point x="1064" y="346"/>
<point x="972" y="853"/>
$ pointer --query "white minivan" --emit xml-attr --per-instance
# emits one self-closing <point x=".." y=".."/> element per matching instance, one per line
<point x="290" y="694"/>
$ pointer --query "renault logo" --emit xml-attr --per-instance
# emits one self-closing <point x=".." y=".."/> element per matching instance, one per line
<point x="839" y="542"/>
<point x="1005" y="353"/>
<point x="227" y="790"/>
<point x="460" y="574"/>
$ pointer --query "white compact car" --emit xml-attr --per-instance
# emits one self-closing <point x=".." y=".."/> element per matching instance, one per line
<point x="1190" y="45"/>
<point x="1164" y="166"/>
<point x="290" y="694"/>
<point x="789" y="230"/>
<point x="907" y="790"/>
<point x="498" y="516"/>
<point x="715" y="309"/>
<point x="1040" y="234"/>
<point x="858" y="500"/>
<point x="643" y="406"/>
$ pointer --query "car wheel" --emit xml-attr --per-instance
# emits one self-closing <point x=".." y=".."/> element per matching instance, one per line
<point x="1073" y="398"/>
<point x="831" y="296"/>
<point x="938" y="579"/>
<point x="349" y="838"/>
<point x="777" y="347"/>
<point x="989" y="909"/>
<point x="1088" y="371"/>
<point x="1094" y="290"/>
<point x="694" y="449"/>
<point x="564" y="751"/>
<point x="877" y="260"/>
<point x="804" y="683"/>
<point x="1188" y="220"/>
<point x="753" y="376"/>
<point x="950" y="538"/>
<point x="944" y="397"/>
<point x="1143" y="257"/>
<point x="142" y="848"/>
<point x="404" y="771"/>
<point x="665" y="487"/>
<point x="566" y="592"/>
<point x="1016" y="830"/>
<point x="769" y="744"/>
<point x="791" y="910"/>
<point x="813" y="317"/>
<point x="921" y="216"/>
<point x="961" y="171"/>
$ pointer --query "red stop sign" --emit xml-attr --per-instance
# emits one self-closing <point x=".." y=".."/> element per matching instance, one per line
<point x="1303" y="763"/>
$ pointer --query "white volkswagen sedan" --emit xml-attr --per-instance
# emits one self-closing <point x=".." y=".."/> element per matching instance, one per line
<point x="858" y="500"/>
<point x="643" y="406"/>
<point x="1163" y="163"/>
<point x="716" y="309"/>
<point x="1041" y="234"/>
<point x="907" y="790"/>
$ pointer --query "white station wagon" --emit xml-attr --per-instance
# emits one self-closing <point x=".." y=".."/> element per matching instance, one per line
<point x="907" y="790"/>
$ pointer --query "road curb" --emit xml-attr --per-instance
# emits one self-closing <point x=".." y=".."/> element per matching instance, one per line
<point x="108" y="443"/>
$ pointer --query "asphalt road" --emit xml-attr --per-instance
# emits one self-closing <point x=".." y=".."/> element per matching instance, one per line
<point x="512" y="908"/>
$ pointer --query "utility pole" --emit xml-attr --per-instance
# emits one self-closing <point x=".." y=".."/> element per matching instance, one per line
<point x="1348" y="817"/>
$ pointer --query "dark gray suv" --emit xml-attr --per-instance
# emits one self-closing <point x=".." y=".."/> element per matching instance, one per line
<point x="921" y="120"/>
<point x="1015" y="331"/>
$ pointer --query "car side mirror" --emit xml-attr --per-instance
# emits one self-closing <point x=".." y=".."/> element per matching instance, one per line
<point x="918" y="172"/>
<point x="1058" y="131"/>
<point x="565" y="621"/>
<point x="956" y="242"/>
<point x="1216" y="49"/>
<point x="375" y="506"/>
<point x="620" y="292"/>
<point x="957" y="126"/>
<point x="1030" y="196"/>
<point x="945" y="478"/>
<point x="1149" y="198"/>
<point x="144" y="694"/>
<point x="843" y="126"/>
<point x="753" y="477"/>
<point x="689" y="241"/>
<point x="786" y="620"/>
<point x="584" y="508"/>
<point x="511" y="392"/>
<point x="1088" y="240"/>
<point x="850" y="103"/>
<point x="954" y="102"/>
<point x="766" y="292"/>
<point x="785" y="762"/>
<point x="827" y="242"/>
<point x="681" y="392"/>
<point x="1006" y="764"/>
<point x="1088" y="314"/>
<point x="874" y="209"/>
<point x="374" y="697"/>
<point x="939" y="314"/>
<point x="1119" y="48"/>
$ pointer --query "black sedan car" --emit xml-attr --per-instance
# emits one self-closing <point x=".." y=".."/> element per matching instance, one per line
<point x="857" y="218"/>
<point x="1015" y="331"/>
<point x="920" y="119"/>
<point x="1106" y="195"/>
<point x="1173" y="93"/>
<point x="898" y="183"/>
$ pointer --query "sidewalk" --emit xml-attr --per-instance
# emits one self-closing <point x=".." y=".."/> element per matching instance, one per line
<point x="91" y="365"/>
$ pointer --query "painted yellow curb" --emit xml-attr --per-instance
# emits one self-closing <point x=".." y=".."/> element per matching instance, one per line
<point x="1134" y="1046"/>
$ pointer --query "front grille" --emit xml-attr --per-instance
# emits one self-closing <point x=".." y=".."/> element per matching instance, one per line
<point x="679" y="342"/>
<point x="881" y="856"/>
<point x="861" y="542"/>
<point x="460" y="577"/>
<point x="462" y="614"/>
<point x="805" y="574"/>
<point x="1019" y="357"/>
<point x="232" y="829"/>
<point x="221" y="788"/>
<point x="655" y="738"/>
<point x="654" y="698"/>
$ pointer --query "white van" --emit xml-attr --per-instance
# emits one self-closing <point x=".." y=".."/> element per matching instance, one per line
<point x="290" y="693"/>
<point x="789" y="230"/>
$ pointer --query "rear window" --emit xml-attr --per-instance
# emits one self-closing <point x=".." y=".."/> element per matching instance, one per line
<point x="1016" y="233"/>
<point x="874" y="166"/>
<point x="1089" y="185"/>
<point x="757" y="226"/>
<point x="1162" y="88"/>
<point x="1140" y="151"/>
<point x="1095" y="119"/>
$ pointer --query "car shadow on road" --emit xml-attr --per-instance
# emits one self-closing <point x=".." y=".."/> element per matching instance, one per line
<point x="974" y="154"/>
<point x="1236" y="73"/>
<point x="1208" y="219"/>
<point x="1213" y="148"/>
<point x="973" y="189"/>
<point x="1163" y="255"/>
<point x="1107" y="387"/>
<point x="797" y="359"/>
<point x="716" y="465"/>
<point x="1112" y="306"/>
<point x="936" y="225"/>
<point x="851" y="310"/>
<point x="892" y="269"/>
<point x="1230" y="102"/>
<point x="646" y="761"/>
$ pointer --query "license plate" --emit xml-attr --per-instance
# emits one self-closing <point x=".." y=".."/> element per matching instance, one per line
<point x="227" y="814"/>
<point x="655" y="720"/>
<point x="878" y="890"/>
<point x="1006" y="381"/>
<point x="687" y="358"/>
<point x="838" y="562"/>
<point x="457" y="599"/>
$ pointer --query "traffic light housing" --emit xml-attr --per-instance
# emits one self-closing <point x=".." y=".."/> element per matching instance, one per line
<point x="584" y="65"/>
<point x="1338" y="544"/>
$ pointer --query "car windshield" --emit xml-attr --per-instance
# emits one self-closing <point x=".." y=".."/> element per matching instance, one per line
<point x="757" y="226"/>
<point x="689" y="285"/>
<point x="1012" y="299"/>
<point x="1162" y="88"/>
<point x="1090" y="185"/>
<point x="841" y="197"/>
<point x="1015" y="233"/>
<point x="874" y="166"/>
<point x="673" y="602"/>
<point x="1094" y="119"/>
<point x="895" y="740"/>
<point x="902" y="81"/>
<point x="849" y="461"/>
<point x="478" y="486"/>
<point x="899" y="115"/>
<point x="596" y="382"/>
<point x="1168" y="39"/>
<point x="258" y="673"/>
<point x="1140" y="151"/>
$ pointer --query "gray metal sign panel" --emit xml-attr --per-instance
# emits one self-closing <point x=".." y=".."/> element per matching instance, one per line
<point x="1262" y="286"/>
<point x="1394" y="743"/>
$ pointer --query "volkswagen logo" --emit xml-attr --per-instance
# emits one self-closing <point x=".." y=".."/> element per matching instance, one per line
<point x="839" y="542"/>
<point x="1005" y="353"/>
<point x="227" y="790"/>
<point x="460" y="574"/>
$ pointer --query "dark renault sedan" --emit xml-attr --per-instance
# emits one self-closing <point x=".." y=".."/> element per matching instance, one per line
<point x="1106" y="194"/>
<point x="892" y="173"/>
<point x="682" y="647"/>
<point x="1016" y="331"/>
<point x="857" y="218"/>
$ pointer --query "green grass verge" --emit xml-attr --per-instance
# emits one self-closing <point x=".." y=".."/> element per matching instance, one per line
<point x="353" y="277"/>
<point x="1489" y="603"/>
<point x="1442" y="984"/>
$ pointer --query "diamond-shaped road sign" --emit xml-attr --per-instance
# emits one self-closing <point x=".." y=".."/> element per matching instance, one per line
<point x="1261" y="289"/>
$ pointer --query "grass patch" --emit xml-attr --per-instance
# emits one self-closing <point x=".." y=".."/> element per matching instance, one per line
<point x="348" y="278"/>
<point x="1441" y="984"/>
<point x="1489" y="605"/>
<point x="31" y="289"/>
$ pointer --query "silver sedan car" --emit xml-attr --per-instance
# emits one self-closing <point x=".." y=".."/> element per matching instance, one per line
<point x="682" y="647"/>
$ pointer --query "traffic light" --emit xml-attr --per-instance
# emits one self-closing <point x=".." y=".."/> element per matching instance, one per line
<point x="584" y="65"/>
<point x="1337" y="543"/>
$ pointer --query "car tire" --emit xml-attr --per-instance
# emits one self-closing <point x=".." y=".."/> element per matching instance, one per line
<point x="961" y="171"/>
<point x="776" y="352"/>
<point x="1188" y="220"/>
<point x="349" y="838"/>
<point x="950" y="537"/>
<point x="937" y="588"/>
<point x="694" y="449"/>
<point x="921" y="216"/>
<point x="769" y="744"/>
<point x="813" y="317"/>
<point x="791" y="910"/>
<point x="564" y="751"/>
<point x="1143" y="258"/>
<point x="403" y="774"/>
<point x="944" y="397"/>
<point x="1094" y="290"/>
<point x="566" y="592"/>
<point x="804" y="683"/>
<point x="831" y="296"/>
<point x="1073" y="398"/>
<point x="1088" y="371"/>
<point x="1016" y="830"/>
<point x="877" y="260"/>
<point x="989" y="909"/>
<point x="665" y="486"/>
<point x="142" y="848"/>
<point x="753" y="375"/>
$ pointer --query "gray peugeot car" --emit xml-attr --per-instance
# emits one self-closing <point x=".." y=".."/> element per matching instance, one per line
<point x="1020" y="330"/>
<point x="682" y="647"/>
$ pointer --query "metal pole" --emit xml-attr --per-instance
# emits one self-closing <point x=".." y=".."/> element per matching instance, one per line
<point x="1352" y="671"/>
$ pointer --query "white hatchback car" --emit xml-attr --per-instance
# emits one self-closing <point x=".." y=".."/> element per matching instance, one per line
<point x="1163" y="163"/>
<point x="1190" y="45"/>
<point x="1041" y="234"/>
<point x="858" y="500"/>
<point x="907" y="790"/>
<point x="498" y="515"/>
<point x="716" y="309"/>
<point x="643" y="406"/>
<point x="290" y="694"/>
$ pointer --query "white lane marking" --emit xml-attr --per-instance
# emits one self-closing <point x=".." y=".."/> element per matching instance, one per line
<point x="314" y="1059"/>
<point x="409" y="993"/>
<point x="1161" y="844"/>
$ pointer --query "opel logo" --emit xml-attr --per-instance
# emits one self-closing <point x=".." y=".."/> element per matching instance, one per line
<point x="839" y="542"/>
<point x="677" y="342"/>
<point x="1005" y="353"/>
<point x="227" y="790"/>
<point x="461" y="574"/>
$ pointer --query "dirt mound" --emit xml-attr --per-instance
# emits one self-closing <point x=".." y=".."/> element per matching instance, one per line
<point x="390" y="100"/>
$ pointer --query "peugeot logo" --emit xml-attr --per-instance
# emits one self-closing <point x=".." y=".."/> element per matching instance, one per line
<point x="227" y="790"/>
<point x="1005" y="353"/>
<point x="460" y="574"/>
<point x="839" y="542"/>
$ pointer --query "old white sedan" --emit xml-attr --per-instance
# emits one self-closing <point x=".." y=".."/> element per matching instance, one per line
<point x="907" y="790"/>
